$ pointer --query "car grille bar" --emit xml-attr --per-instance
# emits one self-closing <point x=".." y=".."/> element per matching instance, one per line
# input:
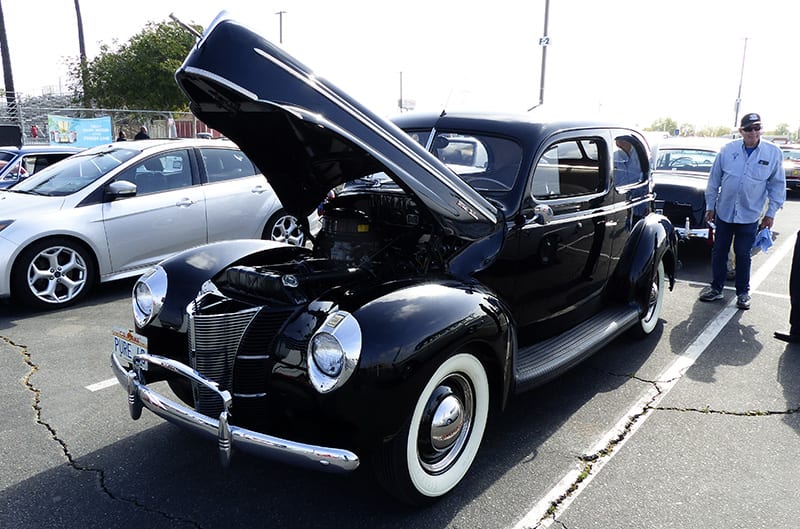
<point x="213" y="342"/>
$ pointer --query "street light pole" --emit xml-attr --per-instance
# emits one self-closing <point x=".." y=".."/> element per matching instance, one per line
<point x="280" y="25"/>
<point x="739" y="96"/>
<point x="543" y="42"/>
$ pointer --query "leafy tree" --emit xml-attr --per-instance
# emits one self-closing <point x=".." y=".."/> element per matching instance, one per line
<point x="687" y="129"/>
<point x="665" y="124"/>
<point x="719" y="131"/>
<point x="782" y="130"/>
<point x="138" y="74"/>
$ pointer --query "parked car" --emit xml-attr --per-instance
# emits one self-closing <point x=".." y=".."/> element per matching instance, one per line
<point x="680" y="173"/>
<point x="791" y="164"/>
<point x="18" y="163"/>
<point x="429" y="297"/>
<point x="115" y="210"/>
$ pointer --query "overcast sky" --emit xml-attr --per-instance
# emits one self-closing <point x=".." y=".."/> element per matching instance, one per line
<point x="633" y="61"/>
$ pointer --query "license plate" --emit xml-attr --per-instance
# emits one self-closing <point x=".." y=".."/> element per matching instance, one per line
<point x="127" y="344"/>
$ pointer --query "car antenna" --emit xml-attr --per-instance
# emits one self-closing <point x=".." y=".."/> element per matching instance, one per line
<point x="185" y="26"/>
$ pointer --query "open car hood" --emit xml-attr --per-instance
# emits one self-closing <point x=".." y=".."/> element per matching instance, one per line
<point x="307" y="136"/>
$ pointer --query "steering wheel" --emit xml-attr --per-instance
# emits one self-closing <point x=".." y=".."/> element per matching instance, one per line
<point x="495" y="184"/>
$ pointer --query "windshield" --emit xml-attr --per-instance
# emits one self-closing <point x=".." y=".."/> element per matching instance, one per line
<point x="791" y="155"/>
<point x="694" y="160"/>
<point x="74" y="173"/>
<point x="487" y="163"/>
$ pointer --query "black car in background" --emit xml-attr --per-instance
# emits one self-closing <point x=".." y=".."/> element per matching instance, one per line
<point x="680" y="173"/>
<point x="468" y="258"/>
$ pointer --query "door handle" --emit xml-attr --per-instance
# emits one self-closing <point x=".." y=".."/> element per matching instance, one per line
<point x="184" y="202"/>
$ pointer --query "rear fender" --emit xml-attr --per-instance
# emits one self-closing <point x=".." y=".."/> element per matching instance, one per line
<point x="653" y="240"/>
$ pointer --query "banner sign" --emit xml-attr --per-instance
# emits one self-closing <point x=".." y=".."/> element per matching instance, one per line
<point x="79" y="132"/>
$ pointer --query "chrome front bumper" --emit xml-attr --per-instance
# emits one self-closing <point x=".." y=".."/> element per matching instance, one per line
<point x="228" y="436"/>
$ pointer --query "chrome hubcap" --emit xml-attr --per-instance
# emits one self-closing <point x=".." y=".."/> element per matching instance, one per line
<point x="446" y="424"/>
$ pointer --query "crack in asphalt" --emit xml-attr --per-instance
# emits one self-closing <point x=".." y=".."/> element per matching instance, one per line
<point x="589" y="461"/>
<point x="33" y="368"/>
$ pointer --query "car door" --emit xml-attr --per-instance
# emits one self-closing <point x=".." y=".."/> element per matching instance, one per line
<point x="557" y="259"/>
<point x="166" y="215"/>
<point x="239" y="201"/>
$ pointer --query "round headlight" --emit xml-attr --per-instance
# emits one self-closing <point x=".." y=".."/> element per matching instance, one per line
<point x="143" y="297"/>
<point x="333" y="351"/>
<point x="327" y="354"/>
<point x="148" y="295"/>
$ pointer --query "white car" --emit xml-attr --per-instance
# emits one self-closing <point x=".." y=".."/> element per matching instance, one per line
<point x="115" y="210"/>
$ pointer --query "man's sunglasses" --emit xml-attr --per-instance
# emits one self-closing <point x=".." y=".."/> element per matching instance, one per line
<point x="751" y="129"/>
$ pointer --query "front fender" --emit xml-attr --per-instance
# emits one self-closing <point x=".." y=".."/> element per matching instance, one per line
<point x="188" y="270"/>
<point x="408" y="332"/>
<point x="652" y="240"/>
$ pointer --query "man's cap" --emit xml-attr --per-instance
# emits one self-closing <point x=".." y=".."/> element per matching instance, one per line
<point x="750" y="119"/>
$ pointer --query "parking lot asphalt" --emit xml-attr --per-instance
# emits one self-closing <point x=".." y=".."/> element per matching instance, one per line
<point x="696" y="426"/>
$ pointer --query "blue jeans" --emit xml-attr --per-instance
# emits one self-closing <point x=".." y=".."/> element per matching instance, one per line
<point x="743" y="236"/>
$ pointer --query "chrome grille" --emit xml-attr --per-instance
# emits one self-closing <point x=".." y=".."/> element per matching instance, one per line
<point x="213" y="341"/>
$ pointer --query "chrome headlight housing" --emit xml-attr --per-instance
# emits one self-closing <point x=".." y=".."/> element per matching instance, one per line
<point x="148" y="295"/>
<point x="333" y="351"/>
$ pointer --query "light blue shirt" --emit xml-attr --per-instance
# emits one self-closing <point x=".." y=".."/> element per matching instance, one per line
<point x="739" y="185"/>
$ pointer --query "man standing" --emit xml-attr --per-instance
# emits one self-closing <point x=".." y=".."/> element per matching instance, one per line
<point x="142" y="134"/>
<point x="746" y="173"/>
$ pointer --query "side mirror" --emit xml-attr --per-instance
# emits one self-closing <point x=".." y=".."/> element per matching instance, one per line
<point x="121" y="189"/>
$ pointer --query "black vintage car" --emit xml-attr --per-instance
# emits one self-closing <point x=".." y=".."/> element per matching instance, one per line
<point x="680" y="174"/>
<point x="464" y="259"/>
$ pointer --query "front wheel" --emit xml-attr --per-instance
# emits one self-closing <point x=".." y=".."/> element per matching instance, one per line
<point x="436" y="448"/>
<point x="52" y="273"/>
<point x="649" y="320"/>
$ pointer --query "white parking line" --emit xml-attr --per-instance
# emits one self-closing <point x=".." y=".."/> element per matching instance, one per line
<point x="641" y="409"/>
<point x="102" y="385"/>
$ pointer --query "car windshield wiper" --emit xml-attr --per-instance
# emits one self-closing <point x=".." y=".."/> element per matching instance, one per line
<point x="25" y="192"/>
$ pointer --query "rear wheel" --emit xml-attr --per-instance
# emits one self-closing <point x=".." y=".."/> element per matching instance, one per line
<point x="649" y="320"/>
<point x="437" y="447"/>
<point x="283" y="227"/>
<point x="53" y="273"/>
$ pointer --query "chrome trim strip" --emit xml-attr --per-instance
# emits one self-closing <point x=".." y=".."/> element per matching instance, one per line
<point x="696" y="233"/>
<point x="227" y="436"/>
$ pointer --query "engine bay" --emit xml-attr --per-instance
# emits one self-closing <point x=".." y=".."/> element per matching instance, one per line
<point x="372" y="235"/>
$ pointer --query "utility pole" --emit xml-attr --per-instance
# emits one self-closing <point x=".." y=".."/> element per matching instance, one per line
<point x="82" y="50"/>
<point x="8" y="78"/>
<point x="739" y="95"/>
<point x="280" y="25"/>
<point x="544" y="42"/>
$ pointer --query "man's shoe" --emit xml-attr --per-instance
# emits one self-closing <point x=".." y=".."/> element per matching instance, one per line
<point x="710" y="294"/>
<point x="743" y="301"/>
<point x="787" y="337"/>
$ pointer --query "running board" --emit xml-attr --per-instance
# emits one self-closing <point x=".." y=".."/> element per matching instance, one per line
<point x="540" y="362"/>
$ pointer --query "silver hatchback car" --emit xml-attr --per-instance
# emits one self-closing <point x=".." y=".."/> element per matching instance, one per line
<point x="113" y="211"/>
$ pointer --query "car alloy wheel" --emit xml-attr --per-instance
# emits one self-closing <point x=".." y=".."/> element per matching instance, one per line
<point x="283" y="227"/>
<point x="442" y="438"/>
<point x="53" y="273"/>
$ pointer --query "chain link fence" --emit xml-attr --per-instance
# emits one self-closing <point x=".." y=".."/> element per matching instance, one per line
<point x="29" y="112"/>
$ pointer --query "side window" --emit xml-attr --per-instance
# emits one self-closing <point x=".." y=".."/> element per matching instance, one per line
<point x="226" y="164"/>
<point x="570" y="168"/>
<point x="627" y="161"/>
<point x="165" y="172"/>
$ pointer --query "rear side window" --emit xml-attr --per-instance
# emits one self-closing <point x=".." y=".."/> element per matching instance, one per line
<point x="226" y="164"/>
<point x="570" y="168"/>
